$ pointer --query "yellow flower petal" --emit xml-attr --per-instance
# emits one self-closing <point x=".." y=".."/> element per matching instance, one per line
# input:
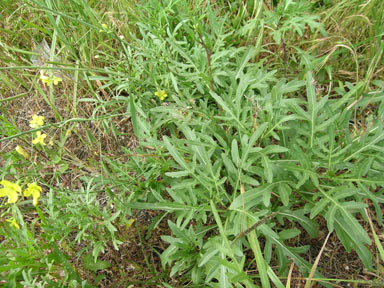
<point x="22" y="152"/>
<point x="9" y="185"/>
<point x="34" y="190"/>
<point x="37" y="121"/>
<point x="39" y="138"/>
<point x="13" y="223"/>
<point x="11" y="190"/>
<point x="162" y="94"/>
<point x="47" y="80"/>
<point x="12" y="197"/>
<point x="3" y="192"/>
<point x="56" y="80"/>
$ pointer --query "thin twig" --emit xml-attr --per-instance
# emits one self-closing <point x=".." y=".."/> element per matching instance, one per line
<point x="209" y="53"/>
<point x="254" y="226"/>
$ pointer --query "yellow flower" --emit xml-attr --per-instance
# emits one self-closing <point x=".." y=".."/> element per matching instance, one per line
<point x="22" y="152"/>
<point x="39" y="138"/>
<point x="11" y="190"/>
<point x="56" y="80"/>
<point x="46" y="80"/>
<point x="104" y="26"/>
<point x="34" y="190"/>
<point x="37" y="121"/>
<point x="162" y="95"/>
<point x="13" y="223"/>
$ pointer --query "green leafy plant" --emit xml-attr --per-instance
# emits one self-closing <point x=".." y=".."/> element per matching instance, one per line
<point x="183" y="107"/>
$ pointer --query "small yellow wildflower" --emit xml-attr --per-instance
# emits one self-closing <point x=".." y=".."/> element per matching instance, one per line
<point x="162" y="95"/>
<point x="34" y="190"/>
<point x="13" y="223"/>
<point x="11" y="190"/>
<point x="22" y="152"/>
<point x="39" y="138"/>
<point x="56" y="80"/>
<point x="50" y="142"/>
<point x="104" y="26"/>
<point x="37" y="121"/>
<point x="46" y="80"/>
<point x="68" y="133"/>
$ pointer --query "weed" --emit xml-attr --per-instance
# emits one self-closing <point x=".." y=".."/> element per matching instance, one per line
<point x="243" y="127"/>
